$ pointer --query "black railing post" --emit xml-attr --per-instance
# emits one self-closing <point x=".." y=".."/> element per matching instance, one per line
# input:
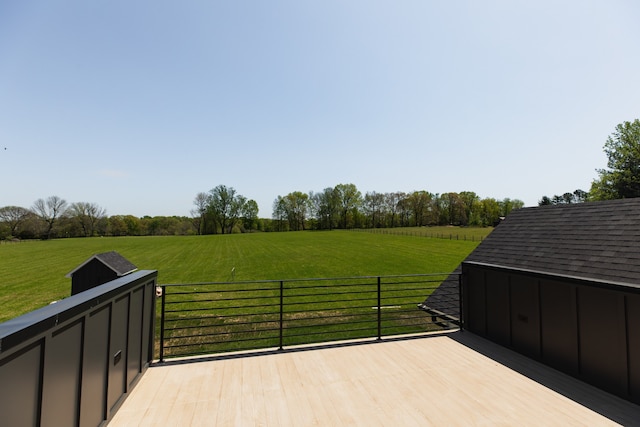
<point x="379" y="312"/>
<point x="460" y="315"/>
<point x="164" y="292"/>
<point x="281" y="310"/>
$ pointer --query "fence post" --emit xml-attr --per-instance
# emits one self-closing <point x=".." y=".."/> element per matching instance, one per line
<point x="379" y="312"/>
<point x="164" y="292"/>
<point x="281" y="310"/>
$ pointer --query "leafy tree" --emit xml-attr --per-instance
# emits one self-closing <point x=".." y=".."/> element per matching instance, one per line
<point x="622" y="178"/>
<point x="134" y="225"/>
<point x="296" y="207"/>
<point x="507" y="205"/>
<point x="568" y="198"/>
<point x="392" y="200"/>
<point x="249" y="214"/>
<point x="199" y="213"/>
<point x="490" y="211"/>
<point x="420" y="205"/>
<point x="226" y="206"/>
<point x="374" y="205"/>
<point x="452" y="212"/>
<point x="117" y="226"/>
<point x="404" y="209"/>
<point x="324" y="207"/>
<point x="163" y="225"/>
<point x="580" y="196"/>
<point x="279" y="212"/>
<point x="86" y="216"/>
<point x="14" y="216"/>
<point x="470" y="201"/>
<point x="545" y="201"/>
<point x="50" y="211"/>
<point x="349" y="200"/>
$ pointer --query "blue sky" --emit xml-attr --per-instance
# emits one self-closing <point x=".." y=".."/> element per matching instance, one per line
<point x="139" y="105"/>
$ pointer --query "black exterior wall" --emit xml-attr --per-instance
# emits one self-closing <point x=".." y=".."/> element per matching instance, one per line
<point x="73" y="362"/>
<point x="588" y="329"/>
<point x="90" y="275"/>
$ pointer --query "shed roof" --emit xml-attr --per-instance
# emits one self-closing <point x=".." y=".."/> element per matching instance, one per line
<point x="113" y="260"/>
<point x="595" y="240"/>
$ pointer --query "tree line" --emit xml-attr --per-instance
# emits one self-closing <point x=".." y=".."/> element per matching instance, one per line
<point x="621" y="178"/>
<point x="53" y="217"/>
<point x="223" y="210"/>
<point x="344" y="207"/>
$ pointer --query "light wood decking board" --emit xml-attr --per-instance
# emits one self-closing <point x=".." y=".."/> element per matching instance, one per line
<point x="450" y="379"/>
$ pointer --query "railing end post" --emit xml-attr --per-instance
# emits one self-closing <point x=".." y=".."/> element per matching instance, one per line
<point x="379" y="311"/>
<point x="162" y="320"/>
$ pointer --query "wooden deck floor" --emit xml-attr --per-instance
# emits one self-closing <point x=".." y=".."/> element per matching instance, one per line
<point x="448" y="379"/>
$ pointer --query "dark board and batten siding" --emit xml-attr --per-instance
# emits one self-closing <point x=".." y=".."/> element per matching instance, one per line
<point x="588" y="329"/>
<point x="99" y="269"/>
<point x="72" y="363"/>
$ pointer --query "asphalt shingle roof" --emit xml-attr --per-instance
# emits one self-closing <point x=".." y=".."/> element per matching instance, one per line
<point x="113" y="260"/>
<point x="596" y="240"/>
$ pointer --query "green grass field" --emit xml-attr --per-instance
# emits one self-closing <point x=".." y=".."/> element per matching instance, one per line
<point x="32" y="274"/>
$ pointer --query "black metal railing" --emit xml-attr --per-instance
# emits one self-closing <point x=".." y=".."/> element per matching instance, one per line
<point x="209" y="318"/>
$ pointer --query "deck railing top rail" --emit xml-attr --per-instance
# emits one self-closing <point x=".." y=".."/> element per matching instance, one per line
<point x="317" y="279"/>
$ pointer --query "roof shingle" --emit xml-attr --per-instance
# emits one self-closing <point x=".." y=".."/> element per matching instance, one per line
<point x="596" y="240"/>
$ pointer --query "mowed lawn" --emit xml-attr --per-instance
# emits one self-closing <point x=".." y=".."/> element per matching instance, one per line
<point x="32" y="273"/>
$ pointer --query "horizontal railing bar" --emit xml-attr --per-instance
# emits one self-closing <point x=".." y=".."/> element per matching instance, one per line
<point x="235" y="307"/>
<point x="205" y="343"/>
<point x="395" y="320"/>
<point x="404" y="302"/>
<point x="224" y="316"/>
<point x="197" y="301"/>
<point x="289" y="295"/>
<point x="342" y="331"/>
<point x="216" y="334"/>
<point x="413" y="282"/>
<point x="242" y="332"/>
<point x="371" y="291"/>
<point x="405" y="289"/>
<point x="222" y="291"/>
<point x="319" y="309"/>
<point x="290" y="313"/>
<point x="324" y="309"/>
<point x="387" y="315"/>
<point x="327" y="317"/>
<point x="387" y="319"/>
<point x="309" y="279"/>
<point x="226" y="325"/>
<point x="293" y="327"/>
<point x="208" y="352"/>
<point x="289" y="304"/>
